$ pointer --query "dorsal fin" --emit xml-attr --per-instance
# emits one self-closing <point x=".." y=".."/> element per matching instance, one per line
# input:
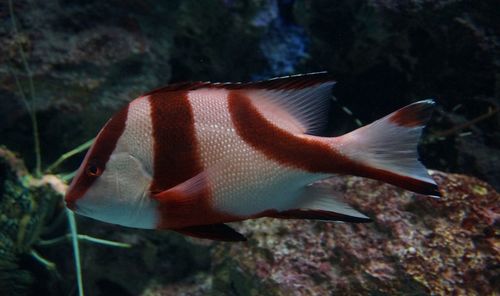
<point x="296" y="110"/>
<point x="303" y="100"/>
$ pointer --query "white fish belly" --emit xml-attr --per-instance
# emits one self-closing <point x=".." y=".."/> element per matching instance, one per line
<point x="244" y="181"/>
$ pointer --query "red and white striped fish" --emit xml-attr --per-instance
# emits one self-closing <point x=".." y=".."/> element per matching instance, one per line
<point x="191" y="157"/>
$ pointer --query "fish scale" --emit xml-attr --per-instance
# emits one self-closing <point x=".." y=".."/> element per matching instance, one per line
<point x="248" y="182"/>
<point x="139" y="132"/>
<point x="192" y="156"/>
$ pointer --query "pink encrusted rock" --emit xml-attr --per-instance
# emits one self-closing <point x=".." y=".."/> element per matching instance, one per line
<point x="416" y="245"/>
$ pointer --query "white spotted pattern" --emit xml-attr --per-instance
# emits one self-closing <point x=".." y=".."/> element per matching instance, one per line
<point x="244" y="181"/>
<point x="139" y="132"/>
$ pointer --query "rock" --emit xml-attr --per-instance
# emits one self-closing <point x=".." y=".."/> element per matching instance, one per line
<point x="27" y="206"/>
<point x="416" y="245"/>
<point x="388" y="53"/>
<point x="32" y="213"/>
<point x="157" y="261"/>
<point x="90" y="58"/>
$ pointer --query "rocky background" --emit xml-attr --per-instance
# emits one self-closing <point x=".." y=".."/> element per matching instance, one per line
<point x="416" y="245"/>
<point x="88" y="58"/>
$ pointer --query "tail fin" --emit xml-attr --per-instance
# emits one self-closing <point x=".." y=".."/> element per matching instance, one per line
<point x="386" y="149"/>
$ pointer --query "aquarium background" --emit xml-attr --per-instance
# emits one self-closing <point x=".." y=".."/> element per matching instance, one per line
<point x="77" y="62"/>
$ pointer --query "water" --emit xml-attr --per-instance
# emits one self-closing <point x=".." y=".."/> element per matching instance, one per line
<point x="74" y="64"/>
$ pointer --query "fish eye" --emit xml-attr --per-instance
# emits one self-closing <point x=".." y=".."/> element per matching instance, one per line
<point x="93" y="170"/>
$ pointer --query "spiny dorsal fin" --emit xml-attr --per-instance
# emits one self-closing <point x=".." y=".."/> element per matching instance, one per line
<point x="297" y="103"/>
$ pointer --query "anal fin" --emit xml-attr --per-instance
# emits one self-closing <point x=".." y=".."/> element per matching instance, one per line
<point x="323" y="215"/>
<point x="321" y="203"/>
<point x="220" y="232"/>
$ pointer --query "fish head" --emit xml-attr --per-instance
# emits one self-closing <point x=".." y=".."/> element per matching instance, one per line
<point x="111" y="184"/>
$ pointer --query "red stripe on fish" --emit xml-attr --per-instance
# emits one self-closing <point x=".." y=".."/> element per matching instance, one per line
<point x="98" y="156"/>
<point x="175" y="148"/>
<point x="406" y="182"/>
<point x="413" y="115"/>
<point x="180" y="209"/>
<point x="306" y="152"/>
<point x="176" y="159"/>
<point x="276" y="143"/>
<point x="175" y="152"/>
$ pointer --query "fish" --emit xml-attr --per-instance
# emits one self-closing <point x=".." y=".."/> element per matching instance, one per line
<point x="191" y="157"/>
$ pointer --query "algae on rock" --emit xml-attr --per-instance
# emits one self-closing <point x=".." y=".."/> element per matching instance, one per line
<point x="416" y="245"/>
<point x="26" y="206"/>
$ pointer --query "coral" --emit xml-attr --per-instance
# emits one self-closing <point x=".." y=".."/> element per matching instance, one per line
<point x="31" y="212"/>
<point x="416" y="245"/>
<point x="26" y="205"/>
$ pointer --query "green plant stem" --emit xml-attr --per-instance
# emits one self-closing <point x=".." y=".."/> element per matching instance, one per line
<point x="76" y="250"/>
<point x="82" y="237"/>
<point x="19" y="88"/>
<point x="69" y="176"/>
<point x="69" y="154"/>
<point x="32" y="109"/>
<point x="49" y="265"/>
<point x="36" y="139"/>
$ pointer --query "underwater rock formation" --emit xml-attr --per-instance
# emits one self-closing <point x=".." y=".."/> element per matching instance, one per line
<point x="36" y="257"/>
<point x="89" y="58"/>
<point x="387" y="53"/>
<point x="284" y="43"/>
<point x="416" y="245"/>
<point x="27" y="205"/>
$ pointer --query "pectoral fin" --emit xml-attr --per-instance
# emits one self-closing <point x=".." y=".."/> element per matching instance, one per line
<point x="189" y="203"/>
<point x="220" y="232"/>
<point x="189" y="191"/>
<point x="185" y="192"/>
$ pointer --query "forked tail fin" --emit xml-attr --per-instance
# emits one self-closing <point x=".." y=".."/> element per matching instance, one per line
<point x="386" y="149"/>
